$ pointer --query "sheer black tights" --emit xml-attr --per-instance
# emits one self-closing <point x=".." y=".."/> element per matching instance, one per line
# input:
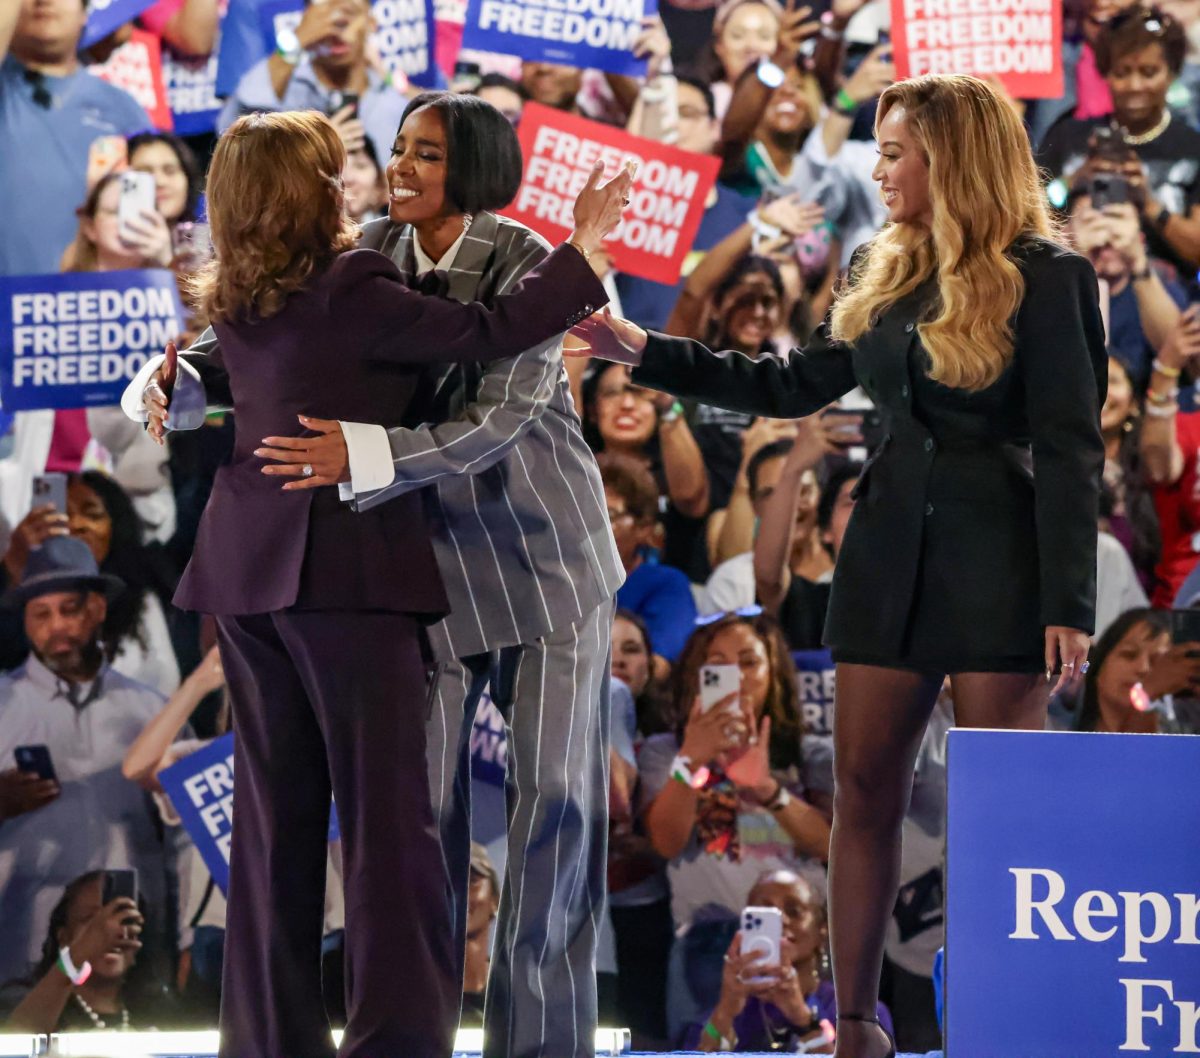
<point x="880" y="717"/>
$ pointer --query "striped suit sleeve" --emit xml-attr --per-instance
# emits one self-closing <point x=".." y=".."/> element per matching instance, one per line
<point x="512" y="394"/>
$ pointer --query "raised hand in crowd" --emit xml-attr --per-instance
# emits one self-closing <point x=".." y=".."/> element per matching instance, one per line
<point x="150" y="236"/>
<point x="31" y="532"/>
<point x="22" y="792"/>
<point x="1175" y="672"/>
<point x="743" y="976"/>
<point x="1162" y="456"/>
<point x="791" y="214"/>
<point x="711" y="733"/>
<point x="653" y="45"/>
<point x="751" y="770"/>
<point x="352" y="131"/>
<point x="873" y="75"/>
<point x="1125" y="233"/>
<point x="796" y="26"/>
<point x="152" y="751"/>
<point x="117" y="926"/>
<point x="326" y="455"/>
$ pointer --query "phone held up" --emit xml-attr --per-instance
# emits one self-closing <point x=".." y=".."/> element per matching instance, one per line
<point x="762" y="934"/>
<point x="50" y="488"/>
<point x="35" y="760"/>
<point x="718" y="682"/>
<point x="118" y="884"/>
<point x="137" y="197"/>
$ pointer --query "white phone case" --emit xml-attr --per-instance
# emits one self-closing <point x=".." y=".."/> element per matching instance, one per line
<point x="762" y="933"/>
<point x="137" y="197"/>
<point x="717" y="682"/>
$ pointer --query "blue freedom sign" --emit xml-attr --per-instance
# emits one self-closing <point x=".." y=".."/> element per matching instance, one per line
<point x="201" y="788"/>
<point x="403" y="34"/>
<point x="1073" y="895"/>
<point x="75" y="340"/>
<point x="588" y="34"/>
<point x="106" y="15"/>
<point x="191" y="86"/>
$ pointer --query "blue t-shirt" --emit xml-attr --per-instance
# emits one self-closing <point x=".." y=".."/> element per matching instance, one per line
<point x="662" y="597"/>
<point x="1126" y="339"/>
<point x="38" y="199"/>
<point x="648" y="303"/>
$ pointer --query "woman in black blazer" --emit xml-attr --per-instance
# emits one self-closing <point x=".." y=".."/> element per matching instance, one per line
<point x="972" y="548"/>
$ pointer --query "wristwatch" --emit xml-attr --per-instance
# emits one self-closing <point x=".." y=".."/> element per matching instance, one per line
<point x="770" y="74"/>
<point x="287" y="46"/>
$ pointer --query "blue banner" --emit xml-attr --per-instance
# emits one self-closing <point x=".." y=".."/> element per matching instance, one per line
<point x="489" y="745"/>
<point x="106" y="15"/>
<point x="75" y="340"/>
<point x="815" y="683"/>
<point x="588" y="34"/>
<point x="201" y="789"/>
<point x="191" y="86"/>
<point x="1073" y="884"/>
<point x="404" y="34"/>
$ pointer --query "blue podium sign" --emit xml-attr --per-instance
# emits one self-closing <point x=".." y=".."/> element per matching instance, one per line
<point x="1073" y="895"/>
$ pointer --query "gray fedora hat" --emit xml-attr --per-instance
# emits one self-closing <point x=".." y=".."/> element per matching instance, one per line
<point x="62" y="563"/>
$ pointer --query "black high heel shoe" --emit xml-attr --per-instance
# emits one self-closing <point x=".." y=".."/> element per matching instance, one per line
<point x="871" y="1021"/>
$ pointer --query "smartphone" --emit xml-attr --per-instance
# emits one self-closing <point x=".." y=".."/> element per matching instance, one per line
<point x="1185" y="626"/>
<point x="762" y="933"/>
<point x="50" y="488"/>
<point x="36" y="760"/>
<point x="847" y="425"/>
<point x="1108" y="189"/>
<point x="137" y="197"/>
<point x="717" y="682"/>
<point x="340" y="100"/>
<point x="885" y="38"/>
<point x="467" y="77"/>
<point x="119" y="883"/>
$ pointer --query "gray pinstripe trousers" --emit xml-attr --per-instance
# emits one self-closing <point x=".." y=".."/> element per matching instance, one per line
<point x="553" y="694"/>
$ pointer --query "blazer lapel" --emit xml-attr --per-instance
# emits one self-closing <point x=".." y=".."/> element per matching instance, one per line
<point x="472" y="258"/>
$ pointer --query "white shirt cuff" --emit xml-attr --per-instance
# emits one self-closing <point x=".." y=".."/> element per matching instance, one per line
<point x="370" y="456"/>
<point x="131" y="399"/>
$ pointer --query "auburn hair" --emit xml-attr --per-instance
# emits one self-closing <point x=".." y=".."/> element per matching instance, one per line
<point x="275" y="211"/>
<point x="986" y="195"/>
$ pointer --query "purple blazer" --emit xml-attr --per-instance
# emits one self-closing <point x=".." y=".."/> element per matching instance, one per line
<point x="350" y="346"/>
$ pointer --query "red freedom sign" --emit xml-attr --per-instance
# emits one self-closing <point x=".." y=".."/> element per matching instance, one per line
<point x="666" y="204"/>
<point x="1017" y="41"/>
<point x="136" y="66"/>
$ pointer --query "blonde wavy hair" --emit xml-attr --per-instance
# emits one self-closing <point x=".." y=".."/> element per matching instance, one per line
<point x="275" y="210"/>
<point x="986" y="193"/>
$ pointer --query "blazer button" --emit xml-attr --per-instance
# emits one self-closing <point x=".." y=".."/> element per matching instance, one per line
<point x="909" y="328"/>
<point x="928" y="509"/>
<point x="928" y="444"/>
<point x="587" y="310"/>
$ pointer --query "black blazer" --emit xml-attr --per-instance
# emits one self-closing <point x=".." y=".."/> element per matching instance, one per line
<point x="1012" y="472"/>
<point x="352" y="346"/>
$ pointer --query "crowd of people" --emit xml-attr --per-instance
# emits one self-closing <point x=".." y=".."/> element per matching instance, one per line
<point x="728" y="526"/>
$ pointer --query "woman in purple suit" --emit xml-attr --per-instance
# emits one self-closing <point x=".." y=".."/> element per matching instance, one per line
<point x="318" y="607"/>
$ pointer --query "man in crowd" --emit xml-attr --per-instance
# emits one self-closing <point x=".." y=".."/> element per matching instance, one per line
<point x="322" y="65"/>
<point x="55" y="115"/>
<point x="85" y="815"/>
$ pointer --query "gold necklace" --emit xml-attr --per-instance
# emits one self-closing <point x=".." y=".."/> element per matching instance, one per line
<point x="1152" y="134"/>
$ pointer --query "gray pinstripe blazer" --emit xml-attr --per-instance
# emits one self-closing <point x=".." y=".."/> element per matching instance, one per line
<point x="515" y="504"/>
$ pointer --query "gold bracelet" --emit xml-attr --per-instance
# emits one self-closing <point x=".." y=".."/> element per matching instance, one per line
<point x="587" y="254"/>
<point x="1165" y="370"/>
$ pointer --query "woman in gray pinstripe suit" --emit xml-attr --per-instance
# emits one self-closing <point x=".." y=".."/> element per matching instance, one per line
<point x="525" y="549"/>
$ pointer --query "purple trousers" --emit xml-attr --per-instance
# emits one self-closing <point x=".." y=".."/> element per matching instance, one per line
<point x="333" y="703"/>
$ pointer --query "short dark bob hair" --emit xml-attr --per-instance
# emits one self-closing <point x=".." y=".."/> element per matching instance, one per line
<point x="483" y="157"/>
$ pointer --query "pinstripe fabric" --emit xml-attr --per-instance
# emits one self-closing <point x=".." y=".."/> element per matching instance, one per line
<point x="516" y="507"/>
<point x="553" y="693"/>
